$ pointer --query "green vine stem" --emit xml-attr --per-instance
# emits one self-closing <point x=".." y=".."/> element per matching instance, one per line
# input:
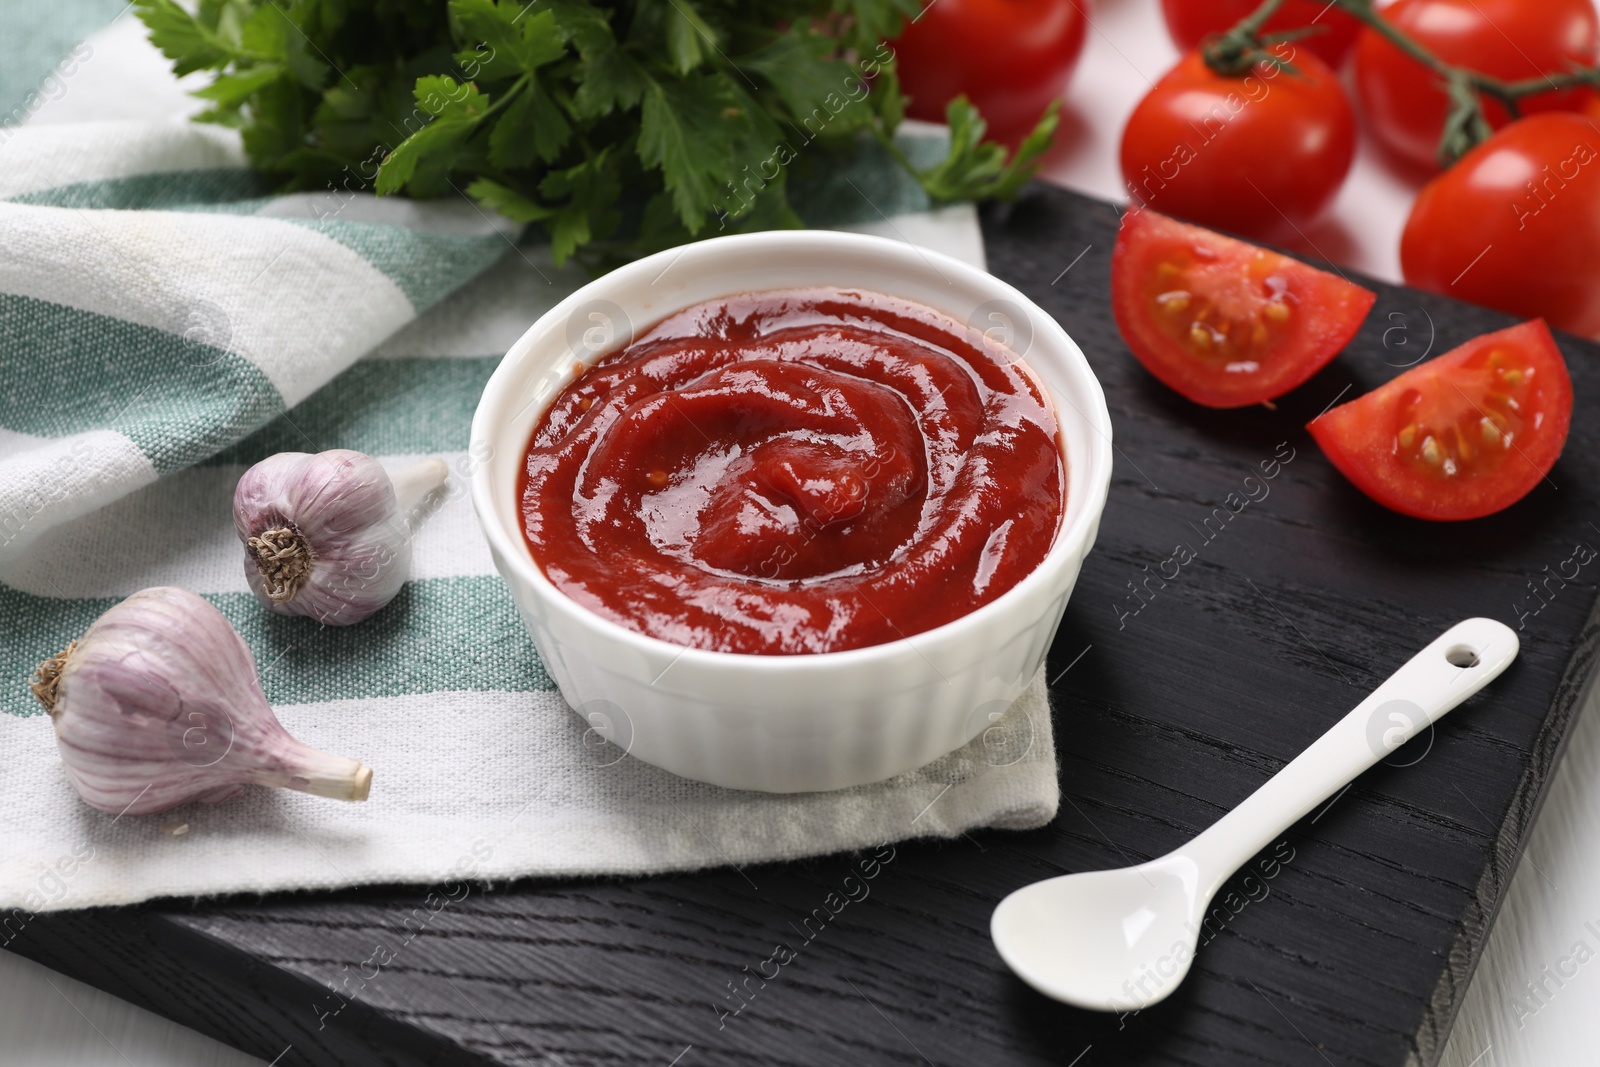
<point x="1466" y="126"/>
<point x="1243" y="47"/>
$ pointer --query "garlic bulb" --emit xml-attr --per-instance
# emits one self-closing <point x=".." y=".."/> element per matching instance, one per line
<point x="159" y="704"/>
<point x="329" y="535"/>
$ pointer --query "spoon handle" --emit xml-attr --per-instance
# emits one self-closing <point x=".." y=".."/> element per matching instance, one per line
<point x="1454" y="666"/>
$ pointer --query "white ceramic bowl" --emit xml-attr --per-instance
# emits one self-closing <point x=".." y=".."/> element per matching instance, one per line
<point x="806" y="722"/>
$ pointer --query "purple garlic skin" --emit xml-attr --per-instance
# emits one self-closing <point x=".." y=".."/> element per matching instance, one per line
<point x="159" y="704"/>
<point x="326" y="535"/>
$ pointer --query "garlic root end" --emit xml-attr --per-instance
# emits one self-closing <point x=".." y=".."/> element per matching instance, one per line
<point x="283" y="557"/>
<point x="46" y="681"/>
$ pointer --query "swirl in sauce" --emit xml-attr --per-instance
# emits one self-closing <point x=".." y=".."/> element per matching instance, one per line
<point x="794" y="471"/>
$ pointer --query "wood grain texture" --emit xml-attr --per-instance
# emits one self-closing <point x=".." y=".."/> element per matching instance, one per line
<point x="1348" y="942"/>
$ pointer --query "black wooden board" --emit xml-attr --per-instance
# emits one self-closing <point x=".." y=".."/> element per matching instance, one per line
<point x="1350" y="942"/>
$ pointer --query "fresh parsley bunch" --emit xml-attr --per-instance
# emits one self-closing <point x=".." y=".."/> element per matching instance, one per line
<point x="622" y="128"/>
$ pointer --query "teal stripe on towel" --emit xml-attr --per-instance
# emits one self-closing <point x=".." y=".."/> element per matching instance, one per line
<point x="64" y="371"/>
<point x="439" y="634"/>
<point x="229" y="189"/>
<point x="383" y="407"/>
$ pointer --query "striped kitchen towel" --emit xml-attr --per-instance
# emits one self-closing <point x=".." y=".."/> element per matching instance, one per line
<point x="165" y="322"/>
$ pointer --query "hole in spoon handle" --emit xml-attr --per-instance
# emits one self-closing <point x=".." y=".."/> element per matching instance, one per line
<point x="1455" y="665"/>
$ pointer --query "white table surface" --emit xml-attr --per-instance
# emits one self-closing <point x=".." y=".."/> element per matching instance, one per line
<point x="1541" y="936"/>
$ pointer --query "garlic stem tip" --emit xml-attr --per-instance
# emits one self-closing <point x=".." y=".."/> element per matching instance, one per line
<point x="417" y="482"/>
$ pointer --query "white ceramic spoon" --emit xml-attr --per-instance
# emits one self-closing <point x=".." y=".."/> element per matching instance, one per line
<point x="1122" y="940"/>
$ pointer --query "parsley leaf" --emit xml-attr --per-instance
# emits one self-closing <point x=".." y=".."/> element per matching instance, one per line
<point x="532" y="129"/>
<point x="690" y="130"/>
<point x="977" y="169"/>
<point x="508" y="202"/>
<point x="181" y="37"/>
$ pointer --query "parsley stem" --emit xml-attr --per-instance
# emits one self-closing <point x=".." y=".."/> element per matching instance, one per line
<point x="506" y="97"/>
<point x="886" y="139"/>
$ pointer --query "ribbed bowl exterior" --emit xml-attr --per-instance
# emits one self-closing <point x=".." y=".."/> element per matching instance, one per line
<point x="787" y="723"/>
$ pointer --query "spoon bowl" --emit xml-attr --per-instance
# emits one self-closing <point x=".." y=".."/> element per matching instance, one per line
<point x="1108" y="940"/>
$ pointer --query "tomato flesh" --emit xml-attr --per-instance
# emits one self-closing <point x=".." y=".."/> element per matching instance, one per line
<point x="1462" y="436"/>
<point x="1220" y="320"/>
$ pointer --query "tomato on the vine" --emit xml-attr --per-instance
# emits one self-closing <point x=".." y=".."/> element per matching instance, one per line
<point x="1192" y="21"/>
<point x="1463" y="435"/>
<point x="1262" y="153"/>
<point x="1221" y="321"/>
<point x="1012" y="59"/>
<point x="1402" y="99"/>
<point x="1515" y="224"/>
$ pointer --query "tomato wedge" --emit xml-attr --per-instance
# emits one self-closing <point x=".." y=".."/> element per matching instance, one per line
<point x="1462" y="436"/>
<point x="1220" y="320"/>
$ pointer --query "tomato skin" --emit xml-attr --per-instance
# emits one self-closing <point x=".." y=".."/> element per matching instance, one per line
<point x="1478" y="231"/>
<point x="1261" y="155"/>
<point x="1012" y="59"/>
<point x="1192" y="21"/>
<point x="1230" y="281"/>
<point x="1366" y="441"/>
<point x="1510" y="39"/>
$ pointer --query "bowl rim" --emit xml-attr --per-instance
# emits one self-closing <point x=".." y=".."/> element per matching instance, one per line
<point x="1095" y="473"/>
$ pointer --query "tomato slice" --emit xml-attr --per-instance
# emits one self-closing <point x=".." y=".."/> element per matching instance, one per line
<point x="1461" y="436"/>
<point x="1220" y="320"/>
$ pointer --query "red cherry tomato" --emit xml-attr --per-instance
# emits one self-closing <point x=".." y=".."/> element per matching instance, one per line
<point x="1465" y="434"/>
<point x="1261" y="154"/>
<point x="1012" y="59"/>
<point x="1221" y="321"/>
<point x="1515" y="224"/>
<point x="1511" y="39"/>
<point x="1192" y="21"/>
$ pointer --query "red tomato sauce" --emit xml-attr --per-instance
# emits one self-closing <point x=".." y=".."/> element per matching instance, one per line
<point x="794" y="471"/>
